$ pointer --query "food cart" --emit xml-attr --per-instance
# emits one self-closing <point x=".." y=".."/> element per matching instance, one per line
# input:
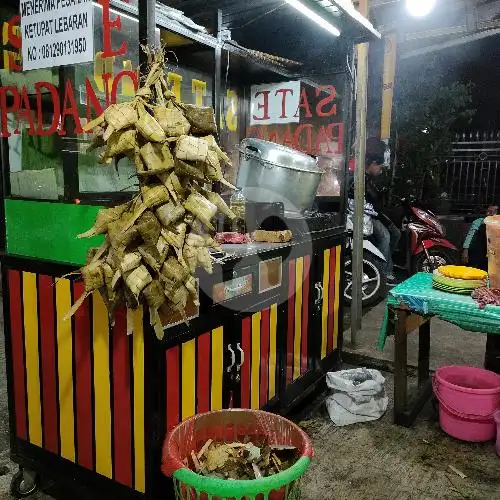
<point x="88" y="403"/>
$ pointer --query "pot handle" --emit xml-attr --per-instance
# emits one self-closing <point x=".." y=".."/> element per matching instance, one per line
<point x="233" y="358"/>
<point x="254" y="149"/>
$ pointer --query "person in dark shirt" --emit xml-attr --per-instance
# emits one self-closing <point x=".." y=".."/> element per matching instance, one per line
<point x="477" y="255"/>
<point x="478" y="258"/>
<point x="478" y="250"/>
<point x="478" y="244"/>
<point x="386" y="235"/>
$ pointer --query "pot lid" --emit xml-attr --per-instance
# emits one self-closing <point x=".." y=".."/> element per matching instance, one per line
<point x="277" y="154"/>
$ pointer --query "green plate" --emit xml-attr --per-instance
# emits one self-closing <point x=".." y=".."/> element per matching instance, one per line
<point x="450" y="289"/>
<point x="437" y="277"/>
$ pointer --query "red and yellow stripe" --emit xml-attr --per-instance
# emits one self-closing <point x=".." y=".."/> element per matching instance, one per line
<point x="75" y="394"/>
<point x="31" y="341"/>
<point x="194" y="373"/>
<point x="65" y="370"/>
<point x="259" y="370"/>
<point x="48" y="353"/>
<point x="331" y="300"/>
<point x="297" y="362"/>
<point x="18" y="355"/>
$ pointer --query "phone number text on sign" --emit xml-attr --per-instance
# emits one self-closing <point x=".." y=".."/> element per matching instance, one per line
<point x="58" y="49"/>
<point x="56" y="32"/>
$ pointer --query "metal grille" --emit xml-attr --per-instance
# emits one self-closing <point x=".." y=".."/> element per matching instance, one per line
<point x="472" y="172"/>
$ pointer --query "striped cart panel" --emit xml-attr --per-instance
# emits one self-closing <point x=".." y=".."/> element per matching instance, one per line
<point x="75" y="394"/>
<point x="259" y="371"/>
<point x="331" y="300"/>
<point x="297" y="357"/>
<point x="194" y="377"/>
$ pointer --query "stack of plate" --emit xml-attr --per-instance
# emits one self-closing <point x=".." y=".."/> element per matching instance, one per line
<point x="455" y="285"/>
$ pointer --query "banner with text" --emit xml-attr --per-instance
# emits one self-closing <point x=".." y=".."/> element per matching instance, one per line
<point x="56" y="32"/>
<point x="275" y="103"/>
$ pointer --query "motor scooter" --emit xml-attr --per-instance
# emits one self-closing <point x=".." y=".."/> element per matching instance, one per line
<point x="423" y="246"/>
<point x="374" y="280"/>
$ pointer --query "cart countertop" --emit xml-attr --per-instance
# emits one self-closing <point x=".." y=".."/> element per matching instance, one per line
<point x="254" y="248"/>
<point x="252" y="251"/>
<point x="239" y="251"/>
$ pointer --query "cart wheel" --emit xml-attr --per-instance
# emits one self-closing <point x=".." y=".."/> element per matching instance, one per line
<point x="24" y="484"/>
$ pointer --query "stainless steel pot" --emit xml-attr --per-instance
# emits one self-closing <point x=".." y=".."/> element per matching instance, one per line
<point x="269" y="172"/>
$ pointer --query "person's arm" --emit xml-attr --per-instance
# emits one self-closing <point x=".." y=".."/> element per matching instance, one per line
<point x="472" y="231"/>
<point x="371" y="197"/>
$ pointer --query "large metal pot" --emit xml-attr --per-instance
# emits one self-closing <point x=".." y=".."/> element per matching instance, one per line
<point x="269" y="172"/>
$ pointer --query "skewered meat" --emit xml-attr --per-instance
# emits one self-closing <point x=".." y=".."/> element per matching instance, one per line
<point x="232" y="238"/>
<point x="486" y="296"/>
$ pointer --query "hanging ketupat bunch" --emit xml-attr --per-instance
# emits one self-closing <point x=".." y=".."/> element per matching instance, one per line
<point x="155" y="242"/>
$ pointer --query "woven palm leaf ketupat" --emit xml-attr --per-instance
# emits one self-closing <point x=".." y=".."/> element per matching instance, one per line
<point x="172" y="120"/>
<point x="191" y="148"/>
<point x="157" y="157"/>
<point x="120" y="116"/>
<point x="155" y="243"/>
<point x="105" y="217"/>
<point x="202" y="119"/>
<point x="122" y="142"/>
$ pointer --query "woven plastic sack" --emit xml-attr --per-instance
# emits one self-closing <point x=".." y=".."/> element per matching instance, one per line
<point x="358" y="395"/>
<point x="230" y="426"/>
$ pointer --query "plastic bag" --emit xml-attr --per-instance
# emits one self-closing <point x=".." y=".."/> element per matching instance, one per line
<point x="358" y="396"/>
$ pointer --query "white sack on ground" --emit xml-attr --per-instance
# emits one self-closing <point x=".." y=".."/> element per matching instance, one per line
<point x="358" y="395"/>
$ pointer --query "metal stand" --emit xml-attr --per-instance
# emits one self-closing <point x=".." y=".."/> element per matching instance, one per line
<point x="359" y="183"/>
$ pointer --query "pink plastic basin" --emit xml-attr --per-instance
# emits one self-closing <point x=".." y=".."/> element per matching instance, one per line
<point x="468" y="398"/>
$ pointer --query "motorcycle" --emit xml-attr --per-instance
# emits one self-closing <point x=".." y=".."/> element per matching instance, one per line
<point x="374" y="280"/>
<point x="423" y="246"/>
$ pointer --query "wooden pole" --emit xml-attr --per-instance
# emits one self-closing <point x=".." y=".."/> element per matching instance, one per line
<point x="147" y="27"/>
<point x="359" y="183"/>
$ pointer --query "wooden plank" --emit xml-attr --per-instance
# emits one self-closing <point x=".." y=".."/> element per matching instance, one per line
<point x="414" y="321"/>
<point x="424" y="347"/>
<point x="400" y="366"/>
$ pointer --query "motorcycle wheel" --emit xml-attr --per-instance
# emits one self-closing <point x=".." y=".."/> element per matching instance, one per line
<point x="439" y="257"/>
<point x="374" y="280"/>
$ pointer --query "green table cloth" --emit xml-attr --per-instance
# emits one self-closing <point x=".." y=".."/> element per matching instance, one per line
<point x="417" y="293"/>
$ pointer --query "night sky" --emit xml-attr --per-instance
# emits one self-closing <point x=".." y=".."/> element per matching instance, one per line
<point x="477" y="62"/>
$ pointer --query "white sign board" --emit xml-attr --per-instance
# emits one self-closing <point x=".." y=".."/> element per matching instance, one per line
<point x="275" y="103"/>
<point x="56" y="32"/>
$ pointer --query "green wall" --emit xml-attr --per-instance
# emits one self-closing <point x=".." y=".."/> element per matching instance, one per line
<point x="45" y="230"/>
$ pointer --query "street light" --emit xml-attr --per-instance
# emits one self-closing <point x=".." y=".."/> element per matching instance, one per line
<point x="306" y="11"/>
<point x="420" y="8"/>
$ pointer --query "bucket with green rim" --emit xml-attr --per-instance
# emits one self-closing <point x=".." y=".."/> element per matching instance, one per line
<point x="229" y="426"/>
